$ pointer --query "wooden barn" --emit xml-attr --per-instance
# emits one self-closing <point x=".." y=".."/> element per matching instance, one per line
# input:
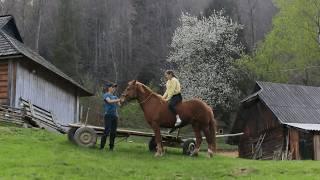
<point x="25" y="74"/>
<point x="279" y="121"/>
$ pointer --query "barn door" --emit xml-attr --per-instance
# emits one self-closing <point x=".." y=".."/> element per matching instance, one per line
<point x="4" y="83"/>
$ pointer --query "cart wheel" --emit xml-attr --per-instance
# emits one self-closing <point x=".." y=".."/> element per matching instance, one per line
<point x="71" y="133"/>
<point x="85" y="137"/>
<point x="189" y="146"/>
<point x="152" y="145"/>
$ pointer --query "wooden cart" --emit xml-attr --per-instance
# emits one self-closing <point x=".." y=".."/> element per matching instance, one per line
<point x="86" y="136"/>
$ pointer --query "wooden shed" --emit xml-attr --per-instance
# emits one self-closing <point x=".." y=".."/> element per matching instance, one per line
<point x="25" y="74"/>
<point x="279" y="121"/>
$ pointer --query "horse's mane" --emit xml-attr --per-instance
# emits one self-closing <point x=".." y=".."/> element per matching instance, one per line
<point x="149" y="89"/>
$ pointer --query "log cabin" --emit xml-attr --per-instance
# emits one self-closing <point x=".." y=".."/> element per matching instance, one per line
<point x="279" y="121"/>
<point x="27" y="75"/>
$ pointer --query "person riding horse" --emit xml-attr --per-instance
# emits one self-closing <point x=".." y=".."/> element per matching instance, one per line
<point x="157" y="115"/>
<point x="173" y="95"/>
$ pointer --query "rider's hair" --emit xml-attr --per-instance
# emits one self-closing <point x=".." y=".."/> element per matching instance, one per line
<point x="170" y="72"/>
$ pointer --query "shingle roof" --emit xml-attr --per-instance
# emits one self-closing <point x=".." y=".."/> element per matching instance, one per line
<point x="6" y="48"/>
<point x="11" y="46"/>
<point x="293" y="105"/>
<point x="4" y="20"/>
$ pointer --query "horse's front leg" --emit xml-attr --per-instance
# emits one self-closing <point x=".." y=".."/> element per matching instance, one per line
<point x="158" y="140"/>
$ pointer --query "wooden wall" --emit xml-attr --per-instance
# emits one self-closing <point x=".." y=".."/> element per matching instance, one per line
<point x="272" y="143"/>
<point x="46" y="90"/>
<point x="259" y="120"/>
<point x="316" y="146"/>
<point x="4" y="98"/>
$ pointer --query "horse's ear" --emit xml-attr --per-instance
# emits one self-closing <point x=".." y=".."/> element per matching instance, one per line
<point x="134" y="82"/>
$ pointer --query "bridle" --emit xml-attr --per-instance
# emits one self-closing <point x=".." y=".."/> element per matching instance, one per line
<point x="147" y="99"/>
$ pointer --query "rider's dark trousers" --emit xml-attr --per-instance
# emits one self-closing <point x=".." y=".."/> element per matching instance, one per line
<point x="173" y="102"/>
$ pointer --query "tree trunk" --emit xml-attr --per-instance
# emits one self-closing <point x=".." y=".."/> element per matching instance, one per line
<point x="38" y="29"/>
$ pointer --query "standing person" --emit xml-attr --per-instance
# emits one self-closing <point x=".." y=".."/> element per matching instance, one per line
<point x="111" y="104"/>
<point x="173" y="93"/>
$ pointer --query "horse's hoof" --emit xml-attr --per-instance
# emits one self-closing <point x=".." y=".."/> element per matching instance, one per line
<point x="158" y="154"/>
<point x="194" y="154"/>
<point x="163" y="152"/>
<point x="210" y="154"/>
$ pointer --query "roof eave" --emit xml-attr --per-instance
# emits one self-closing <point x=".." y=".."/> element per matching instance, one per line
<point x="84" y="92"/>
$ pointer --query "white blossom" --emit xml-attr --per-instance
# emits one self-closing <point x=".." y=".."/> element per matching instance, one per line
<point x="203" y="51"/>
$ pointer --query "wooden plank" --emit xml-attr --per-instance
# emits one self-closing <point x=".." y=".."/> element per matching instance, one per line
<point x="3" y="89"/>
<point x="316" y="146"/>
<point x="44" y="120"/>
<point x="5" y="107"/>
<point x="8" y="114"/>
<point x="4" y="77"/>
<point x="3" y="83"/>
<point x="41" y="109"/>
<point x="3" y="95"/>
<point x="43" y="112"/>
<point x="11" y="120"/>
<point x="14" y="83"/>
<point x="54" y="126"/>
<point x="31" y="108"/>
<point x="45" y="115"/>
<point x="8" y="87"/>
<point x="3" y="101"/>
<point x="4" y="68"/>
<point x="294" y="143"/>
<point x="3" y="72"/>
<point x="123" y="131"/>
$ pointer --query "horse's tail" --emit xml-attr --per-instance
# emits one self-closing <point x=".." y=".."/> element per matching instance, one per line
<point x="213" y="130"/>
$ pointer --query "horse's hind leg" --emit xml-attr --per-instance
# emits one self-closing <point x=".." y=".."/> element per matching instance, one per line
<point x="198" y="140"/>
<point x="209" y="139"/>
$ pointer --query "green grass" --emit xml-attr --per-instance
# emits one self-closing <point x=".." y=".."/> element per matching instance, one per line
<point x="37" y="154"/>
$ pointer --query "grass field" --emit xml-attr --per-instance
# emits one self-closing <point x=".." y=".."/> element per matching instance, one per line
<point x="37" y="154"/>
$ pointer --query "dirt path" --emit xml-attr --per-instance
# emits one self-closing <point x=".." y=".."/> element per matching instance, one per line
<point x="233" y="154"/>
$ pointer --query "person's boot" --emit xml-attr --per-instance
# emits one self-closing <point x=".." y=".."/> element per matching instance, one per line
<point x="111" y="147"/>
<point x="178" y="121"/>
<point x="103" y="142"/>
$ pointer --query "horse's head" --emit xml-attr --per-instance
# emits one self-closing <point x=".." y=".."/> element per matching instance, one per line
<point x="130" y="92"/>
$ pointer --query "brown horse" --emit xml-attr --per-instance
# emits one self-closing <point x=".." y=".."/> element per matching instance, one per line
<point x="157" y="114"/>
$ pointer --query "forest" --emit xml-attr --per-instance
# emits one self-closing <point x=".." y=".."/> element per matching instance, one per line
<point x="119" y="40"/>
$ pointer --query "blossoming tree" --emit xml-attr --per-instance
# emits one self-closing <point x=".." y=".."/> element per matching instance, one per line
<point x="204" y="51"/>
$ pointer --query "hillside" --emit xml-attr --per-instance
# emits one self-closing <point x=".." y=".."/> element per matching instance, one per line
<point x="37" y="154"/>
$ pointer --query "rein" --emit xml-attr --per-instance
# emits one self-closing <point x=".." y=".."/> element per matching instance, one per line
<point x="147" y="98"/>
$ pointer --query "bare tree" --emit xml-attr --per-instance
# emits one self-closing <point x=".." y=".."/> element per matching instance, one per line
<point x="252" y="5"/>
<point x="39" y="22"/>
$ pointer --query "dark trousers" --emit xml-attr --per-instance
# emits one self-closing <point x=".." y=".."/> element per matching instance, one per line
<point x="110" y="127"/>
<point x="173" y="102"/>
